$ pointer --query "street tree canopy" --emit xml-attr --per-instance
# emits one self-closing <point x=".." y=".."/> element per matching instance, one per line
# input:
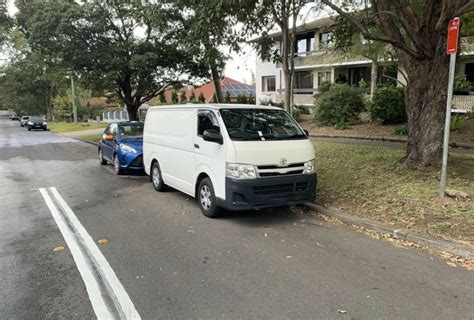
<point x="129" y="48"/>
<point x="417" y="32"/>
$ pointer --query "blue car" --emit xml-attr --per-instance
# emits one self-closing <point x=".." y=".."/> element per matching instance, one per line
<point x="122" y="145"/>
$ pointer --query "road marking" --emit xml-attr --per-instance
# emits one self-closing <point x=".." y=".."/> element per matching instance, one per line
<point x="107" y="295"/>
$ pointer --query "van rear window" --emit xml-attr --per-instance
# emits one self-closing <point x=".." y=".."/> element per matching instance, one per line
<point x="260" y="124"/>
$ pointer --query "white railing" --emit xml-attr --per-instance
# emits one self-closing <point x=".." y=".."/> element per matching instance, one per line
<point x="463" y="104"/>
<point x="114" y="116"/>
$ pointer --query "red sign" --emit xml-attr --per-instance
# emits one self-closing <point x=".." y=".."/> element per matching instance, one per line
<point x="453" y="36"/>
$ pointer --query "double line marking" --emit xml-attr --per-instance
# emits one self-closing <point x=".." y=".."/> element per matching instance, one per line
<point x="107" y="295"/>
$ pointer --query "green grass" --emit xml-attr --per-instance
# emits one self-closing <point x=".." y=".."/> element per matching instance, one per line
<point x="62" y="127"/>
<point x="373" y="182"/>
<point x="91" y="138"/>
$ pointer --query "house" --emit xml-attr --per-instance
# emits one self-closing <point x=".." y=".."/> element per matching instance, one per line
<point x="317" y="63"/>
<point x="229" y="85"/>
<point x="101" y="101"/>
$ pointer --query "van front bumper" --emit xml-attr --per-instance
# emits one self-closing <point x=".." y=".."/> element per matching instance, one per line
<point x="269" y="192"/>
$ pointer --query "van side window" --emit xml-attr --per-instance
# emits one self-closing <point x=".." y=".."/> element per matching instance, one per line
<point x="207" y="120"/>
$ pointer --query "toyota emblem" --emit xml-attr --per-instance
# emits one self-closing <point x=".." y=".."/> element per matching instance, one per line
<point x="283" y="162"/>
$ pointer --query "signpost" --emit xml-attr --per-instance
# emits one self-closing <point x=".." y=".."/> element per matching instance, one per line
<point x="451" y="49"/>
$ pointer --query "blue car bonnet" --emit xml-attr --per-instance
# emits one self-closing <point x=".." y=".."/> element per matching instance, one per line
<point x="137" y="143"/>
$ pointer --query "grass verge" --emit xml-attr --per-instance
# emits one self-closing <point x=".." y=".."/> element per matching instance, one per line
<point x="62" y="127"/>
<point x="373" y="182"/>
<point x="91" y="138"/>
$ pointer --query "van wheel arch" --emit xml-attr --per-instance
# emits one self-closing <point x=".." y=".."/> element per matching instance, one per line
<point x="200" y="177"/>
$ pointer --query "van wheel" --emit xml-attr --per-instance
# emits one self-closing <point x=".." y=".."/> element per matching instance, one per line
<point x="156" y="178"/>
<point x="207" y="199"/>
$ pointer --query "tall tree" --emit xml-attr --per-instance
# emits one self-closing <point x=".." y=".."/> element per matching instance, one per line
<point x="262" y="17"/>
<point x="417" y="32"/>
<point x="131" y="48"/>
<point x="210" y="29"/>
<point x="5" y="21"/>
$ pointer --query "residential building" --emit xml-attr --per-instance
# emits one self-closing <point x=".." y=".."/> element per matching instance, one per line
<point x="316" y="63"/>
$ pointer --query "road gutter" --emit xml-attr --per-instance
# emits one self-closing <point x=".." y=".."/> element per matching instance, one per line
<point x="456" y="249"/>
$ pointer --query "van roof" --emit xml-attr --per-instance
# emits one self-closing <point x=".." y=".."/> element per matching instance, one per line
<point x="216" y="106"/>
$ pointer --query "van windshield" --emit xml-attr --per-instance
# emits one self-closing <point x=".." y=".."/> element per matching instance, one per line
<point x="260" y="124"/>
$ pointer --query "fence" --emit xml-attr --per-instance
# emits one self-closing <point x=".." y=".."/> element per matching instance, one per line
<point x="463" y="104"/>
<point x="114" y="116"/>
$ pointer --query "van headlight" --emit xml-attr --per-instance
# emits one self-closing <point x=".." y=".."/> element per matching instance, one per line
<point x="309" y="167"/>
<point x="241" y="171"/>
<point x="126" y="148"/>
<point x="30" y="123"/>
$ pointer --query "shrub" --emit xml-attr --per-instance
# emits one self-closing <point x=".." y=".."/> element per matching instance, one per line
<point x="456" y="122"/>
<point x="388" y="105"/>
<point x="303" y="109"/>
<point x="201" y="98"/>
<point x="192" y="98"/>
<point x="401" y="130"/>
<point x="227" y="98"/>
<point x="183" y="99"/>
<point x="338" y="105"/>
<point x="174" y="97"/>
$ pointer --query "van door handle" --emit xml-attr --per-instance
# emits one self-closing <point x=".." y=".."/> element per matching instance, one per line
<point x="196" y="146"/>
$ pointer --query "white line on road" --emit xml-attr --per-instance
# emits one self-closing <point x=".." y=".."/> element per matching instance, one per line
<point x="107" y="295"/>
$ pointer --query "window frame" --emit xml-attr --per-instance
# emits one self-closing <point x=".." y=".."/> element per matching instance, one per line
<point x="207" y="112"/>
<point x="265" y="84"/>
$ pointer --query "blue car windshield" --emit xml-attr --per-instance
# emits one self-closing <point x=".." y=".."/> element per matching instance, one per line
<point x="131" y="131"/>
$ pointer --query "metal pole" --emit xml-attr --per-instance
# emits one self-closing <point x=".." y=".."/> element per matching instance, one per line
<point x="447" y="125"/>
<point x="73" y="98"/>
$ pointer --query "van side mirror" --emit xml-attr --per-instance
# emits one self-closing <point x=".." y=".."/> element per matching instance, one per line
<point x="306" y="132"/>
<point x="212" y="135"/>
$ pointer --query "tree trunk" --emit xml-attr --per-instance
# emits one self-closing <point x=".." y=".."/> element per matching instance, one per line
<point x="132" y="110"/>
<point x="426" y="108"/>
<point x="286" y="67"/>
<point x="373" y="79"/>
<point x="217" y="81"/>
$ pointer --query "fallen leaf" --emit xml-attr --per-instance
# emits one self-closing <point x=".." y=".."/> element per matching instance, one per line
<point x="34" y="189"/>
<point x="266" y="235"/>
<point x="103" y="241"/>
<point x="452" y="264"/>
<point x="342" y="311"/>
<point x="289" y="257"/>
<point x="59" y="248"/>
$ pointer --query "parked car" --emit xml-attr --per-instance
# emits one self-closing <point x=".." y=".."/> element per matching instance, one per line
<point x="122" y="145"/>
<point x="15" y="117"/>
<point x="36" y="122"/>
<point x="229" y="156"/>
<point x="24" y="120"/>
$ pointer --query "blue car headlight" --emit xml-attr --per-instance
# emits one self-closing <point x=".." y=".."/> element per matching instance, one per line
<point x="125" y="148"/>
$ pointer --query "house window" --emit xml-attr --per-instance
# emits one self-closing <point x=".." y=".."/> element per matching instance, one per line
<point x="304" y="82"/>
<point x="268" y="84"/>
<point x="324" y="77"/>
<point x="325" y="40"/>
<point x="304" y="43"/>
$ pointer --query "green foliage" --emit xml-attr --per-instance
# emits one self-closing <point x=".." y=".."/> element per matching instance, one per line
<point x="460" y="82"/>
<point x="339" y="105"/>
<point x="201" y="98"/>
<point x="130" y="48"/>
<point x="402" y="130"/>
<point x="214" y="98"/>
<point x="183" y="99"/>
<point x="174" y="97"/>
<point x="162" y="97"/>
<point x="227" y="99"/>
<point x="242" y="99"/>
<point x="388" y="105"/>
<point x="192" y="98"/>
<point x="456" y="122"/>
<point x="251" y="99"/>
<point x="341" y="126"/>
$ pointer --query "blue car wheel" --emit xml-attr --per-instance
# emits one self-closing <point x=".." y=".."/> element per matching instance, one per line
<point x="117" y="169"/>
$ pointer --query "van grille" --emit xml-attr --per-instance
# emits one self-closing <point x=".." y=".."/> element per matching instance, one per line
<point x="292" y="165"/>
<point x="277" y="174"/>
<point x="281" y="188"/>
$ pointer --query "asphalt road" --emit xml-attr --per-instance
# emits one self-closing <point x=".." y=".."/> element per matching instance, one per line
<point x="176" y="264"/>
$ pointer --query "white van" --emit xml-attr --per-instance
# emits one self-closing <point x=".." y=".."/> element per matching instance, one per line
<point x="236" y="157"/>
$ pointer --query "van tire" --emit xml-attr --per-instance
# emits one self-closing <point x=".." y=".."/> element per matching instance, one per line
<point x="207" y="199"/>
<point x="156" y="178"/>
